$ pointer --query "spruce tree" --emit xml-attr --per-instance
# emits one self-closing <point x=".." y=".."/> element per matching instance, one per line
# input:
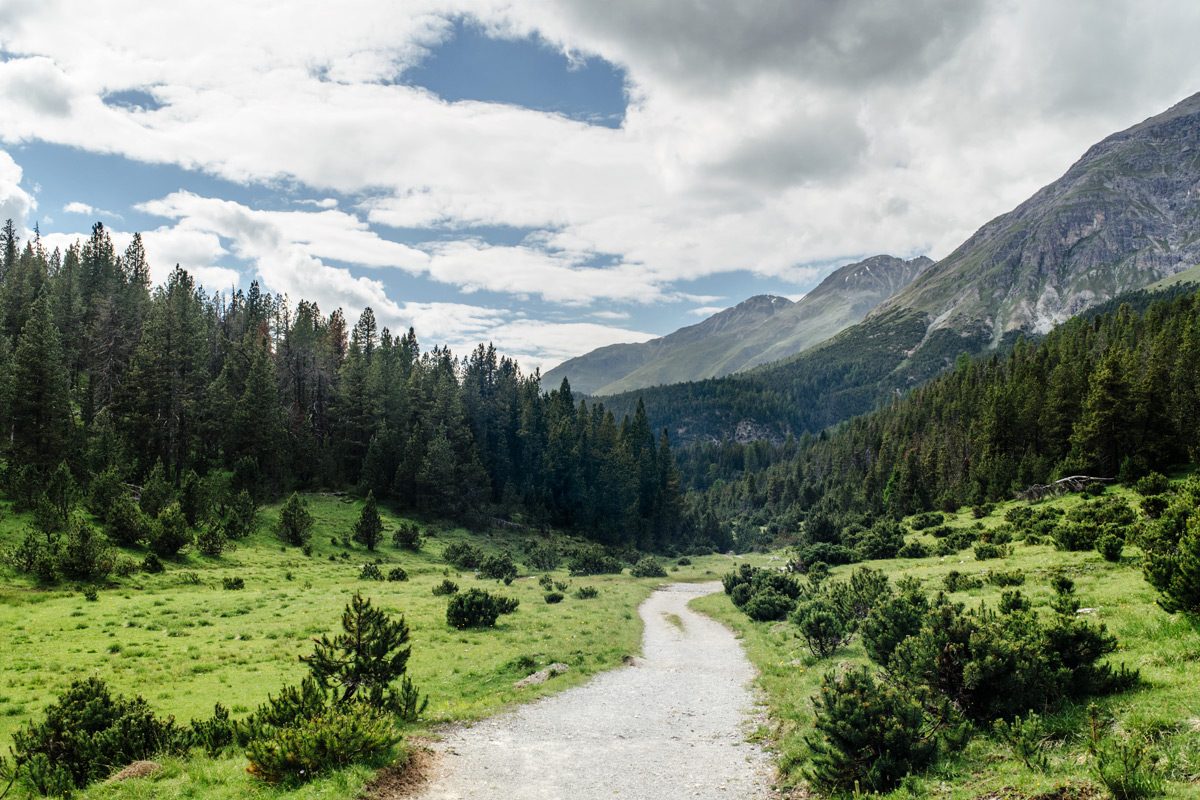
<point x="368" y="531"/>
<point x="295" y="521"/>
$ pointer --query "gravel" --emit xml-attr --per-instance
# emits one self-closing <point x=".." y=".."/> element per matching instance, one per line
<point x="672" y="725"/>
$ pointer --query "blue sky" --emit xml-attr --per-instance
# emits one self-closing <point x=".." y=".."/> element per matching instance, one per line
<point x="556" y="176"/>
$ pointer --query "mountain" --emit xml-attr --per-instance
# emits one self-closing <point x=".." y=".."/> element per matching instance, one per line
<point x="1124" y="217"/>
<point x="762" y="329"/>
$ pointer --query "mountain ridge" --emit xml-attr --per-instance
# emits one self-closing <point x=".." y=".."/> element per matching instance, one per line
<point x="758" y="330"/>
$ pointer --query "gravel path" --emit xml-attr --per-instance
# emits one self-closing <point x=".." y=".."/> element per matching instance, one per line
<point x="670" y="726"/>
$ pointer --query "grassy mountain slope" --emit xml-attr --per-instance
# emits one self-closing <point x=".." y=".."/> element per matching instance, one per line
<point x="756" y="331"/>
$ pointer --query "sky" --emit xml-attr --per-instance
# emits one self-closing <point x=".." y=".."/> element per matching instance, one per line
<point x="555" y="176"/>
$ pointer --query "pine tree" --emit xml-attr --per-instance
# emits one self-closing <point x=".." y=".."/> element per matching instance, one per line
<point x="368" y="531"/>
<point x="295" y="521"/>
<point x="364" y="662"/>
<point x="40" y="413"/>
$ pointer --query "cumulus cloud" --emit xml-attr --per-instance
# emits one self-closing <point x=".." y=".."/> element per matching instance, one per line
<point x="774" y="138"/>
<point x="15" y="202"/>
<point x="76" y="207"/>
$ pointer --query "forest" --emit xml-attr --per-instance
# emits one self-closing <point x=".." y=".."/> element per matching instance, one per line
<point x="1114" y="393"/>
<point x="104" y="381"/>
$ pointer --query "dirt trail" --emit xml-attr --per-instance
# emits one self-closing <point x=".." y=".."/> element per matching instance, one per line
<point x="671" y="726"/>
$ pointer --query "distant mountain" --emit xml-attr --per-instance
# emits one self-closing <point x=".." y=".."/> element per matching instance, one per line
<point x="1124" y="217"/>
<point x="762" y="329"/>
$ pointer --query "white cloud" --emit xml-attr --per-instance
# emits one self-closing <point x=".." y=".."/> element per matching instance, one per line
<point x="705" y="311"/>
<point x="775" y="138"/>
<point x="15" y="202"/>
<point x="77" y="207"/>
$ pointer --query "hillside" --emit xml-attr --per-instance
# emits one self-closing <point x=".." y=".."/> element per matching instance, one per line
<point x="1124" y="217"/>
<point x="756" y="331"/>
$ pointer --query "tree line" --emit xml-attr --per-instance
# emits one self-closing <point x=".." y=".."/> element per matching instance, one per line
<point x="102" y="375"/>
<point x="1111" y="394"/>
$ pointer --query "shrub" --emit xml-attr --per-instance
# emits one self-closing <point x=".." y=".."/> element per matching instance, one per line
<point x="1027" y="739"/>
<point x="1121" y="761"/>
<point x="370" y="572"/>
<point x="84" y="553"/>
<point x="740" y="594"/>
<point x="831" y="554"/>
<point x="883" y="540"/>
<point x="343" y="735"/>
<point x="648" y="567"/>
<point x="126" y="524"/>
<point x="1018" y="515"/>
<point x="955" y="581"/>
<point x="892" y="621"/>
<point x="593" y="561"/>
<point x="544" y="557"/>
<point x="766" y="603"/>
<point x="295" y="522"/>
<point x="867" y="737"/>
<point x="985" y="551"/>
<point x="169" y="533"/>
<point x="506" y="605"/>
<point x="554" y="597"/>
<point x="929" y="519"/>
<point x="462" y="555"/>
<point x="407" y="536"/>
<point x="105" y="492"/>
<point x="854" y="599"/>
<point x="1013" y="577"/>
<point x="473" y="608"/>
<point x="913" y="549"/>
<point x="498" y="567"/>
<point x="215" y="733"/>
<point x="1094" y="489"/>
<point x="1154" y="505"/>
<point x="1110" y="546"/>
<point x="1153" y="483"/>
<point x="586" y="592"/>
<point x="397" y="574"/>
<point x="233" y="584"/>
<point x="152" y="564"/>
<point x="446" y="587"/>
<point x="820" y="627"/>
<point x="989" y="666"/>
<point x="87" y="731"/>
<point x="684" y="562"/>
<point x="212" y="541"/>
<point x="293" y="705"/>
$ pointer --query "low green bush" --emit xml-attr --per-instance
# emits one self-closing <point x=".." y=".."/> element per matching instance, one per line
<point x="473" y="608"/>
<point x="87" y="732"/>
<point x="586" y="592"/>
<point x="648" y="567"/>
<point x="446" y="587"/>
<point x="462" y="555"/>
<point x="345" y="734"/>
<point x="233" y="584"/>
<point x="867" y="737"/>
<point x="370" y="572"/>
<point x="554" y="597"/>
<point x="397" y="574"/>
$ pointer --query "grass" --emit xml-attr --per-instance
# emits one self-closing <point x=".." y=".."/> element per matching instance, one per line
<point x="183" y="642"/>
<point x="1163" y="713"/>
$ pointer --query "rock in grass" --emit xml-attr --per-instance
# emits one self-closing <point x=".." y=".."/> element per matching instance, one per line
<point x="541" y="676"/>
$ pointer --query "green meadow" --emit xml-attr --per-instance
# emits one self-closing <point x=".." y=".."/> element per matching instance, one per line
<point x="1160" y="716"/>
<point x="184" y="642"/>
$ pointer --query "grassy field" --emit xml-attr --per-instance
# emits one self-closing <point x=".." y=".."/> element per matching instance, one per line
<point x="183" y="642"/>
<point x="1162" y="714"/>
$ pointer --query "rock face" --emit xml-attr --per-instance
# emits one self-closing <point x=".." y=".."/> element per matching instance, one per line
<point x="762" y="329"/>
<point x="1126" y="215"/>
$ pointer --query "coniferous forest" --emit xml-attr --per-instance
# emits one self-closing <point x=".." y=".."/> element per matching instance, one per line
<point x="104" y="380"/>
